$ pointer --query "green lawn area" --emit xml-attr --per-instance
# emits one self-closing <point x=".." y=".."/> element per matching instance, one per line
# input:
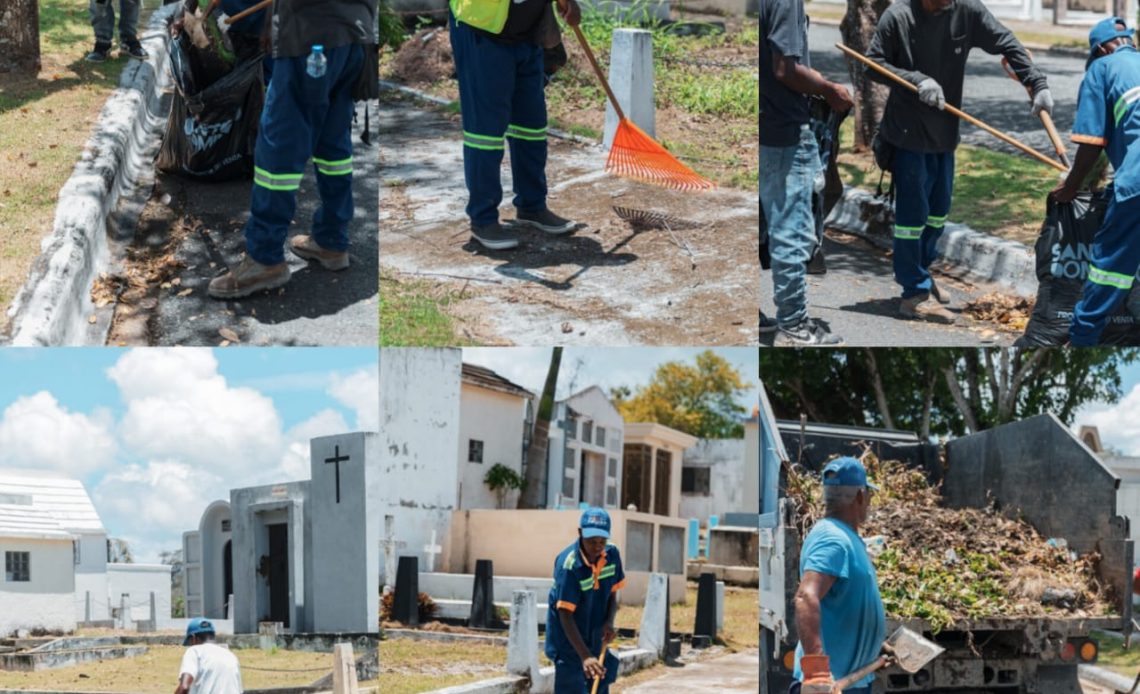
<point x="996" y="193"/>
<point x="414" y="312"/>
<point x="741" y="611"/>
<point x="1114" y="657"/>
<point x="45" y="120"/>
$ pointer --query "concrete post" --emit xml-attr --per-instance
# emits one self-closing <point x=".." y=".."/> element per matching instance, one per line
<point x="631" y="78"/>
<point x="124" y="611"/>
<point x="483" y="596"/>
<point x="267" y="633"/>
<point x="407" y="599"/>
<point x="706" y="607"/>
<point x="87" y="607"/>
<point x="719" y="606"/>
<point x="152" y="622"/>
<point x="230" y="607"/>
<point x="694" y="549"/>
<point x="654" y="632"/>
<point x="344" y="670"/>
<point x="522" y="642"/>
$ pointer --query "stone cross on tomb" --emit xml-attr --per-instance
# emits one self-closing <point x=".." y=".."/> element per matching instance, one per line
<point x="337" y="459"/>
<point x="431" y="549"/>
<point x="390" y="545"/>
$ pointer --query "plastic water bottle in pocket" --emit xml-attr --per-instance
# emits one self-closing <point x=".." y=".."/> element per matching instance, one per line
<point x="317" y="63"/>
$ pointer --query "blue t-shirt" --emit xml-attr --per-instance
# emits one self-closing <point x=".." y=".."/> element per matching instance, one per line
<point x="585" y="591"/>
<point x="852" y="623"/>
<point x="783" y="29"/>
<point x="1107" y="115"/>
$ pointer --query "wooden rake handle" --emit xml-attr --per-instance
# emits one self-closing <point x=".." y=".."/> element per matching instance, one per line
<point x="1046" y="119"/>
<point x="601" y="656"/>
<point x="248" y="11"/>
<point x="954" y="111"/>
<point x="594" y="64"/>
<point x="858" y="675"/>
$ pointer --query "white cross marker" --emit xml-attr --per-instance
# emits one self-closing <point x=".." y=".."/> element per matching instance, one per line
<point x="431" y="549"/>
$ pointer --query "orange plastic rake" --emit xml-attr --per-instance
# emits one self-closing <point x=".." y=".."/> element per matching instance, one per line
<point x="636" y="155"/>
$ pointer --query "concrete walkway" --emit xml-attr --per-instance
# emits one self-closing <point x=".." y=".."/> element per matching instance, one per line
<point x="731" y="674"/>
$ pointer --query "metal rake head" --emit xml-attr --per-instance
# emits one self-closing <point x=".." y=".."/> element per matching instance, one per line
<point x="648" y="219"/>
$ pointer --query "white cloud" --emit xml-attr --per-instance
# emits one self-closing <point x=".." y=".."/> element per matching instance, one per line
<point x="37" y="432"/>
<point x="1118" y="424"/>
<point x="360" y="392"/>
<point x="295" y="462"/>
<point x="179" y="407"/>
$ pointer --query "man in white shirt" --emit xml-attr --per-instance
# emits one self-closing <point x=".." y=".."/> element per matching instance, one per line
<point x="207" y="668"/>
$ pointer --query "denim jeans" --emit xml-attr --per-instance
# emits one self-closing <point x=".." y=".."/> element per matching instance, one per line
<point x="787" y="175"/>
<point x="103" y="20"/>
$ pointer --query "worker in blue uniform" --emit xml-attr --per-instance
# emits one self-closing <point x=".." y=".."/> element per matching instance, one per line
<point x="499" y="61"/>
<point x="1108" y="119"/>
<point x="308" y="113"/>
<point x="581" y="608"/>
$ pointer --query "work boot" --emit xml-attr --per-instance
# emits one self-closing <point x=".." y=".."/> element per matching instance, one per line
<point x="134" y="49"/>
<point x="494" y="237"/>
<point x="935" y="292"/>
<point x="545" y="220"/>
<point x="305" y="247"/>
<point x="922" y="307"/>
<point x="809" y="332"/>
<point x="100" y="54"/>
<point x="248" y="277"/>
<point x="767" y="325"/>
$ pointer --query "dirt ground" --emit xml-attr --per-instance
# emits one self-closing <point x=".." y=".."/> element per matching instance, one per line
<point x="157" y="671"/>
<point x="690" y="281"/>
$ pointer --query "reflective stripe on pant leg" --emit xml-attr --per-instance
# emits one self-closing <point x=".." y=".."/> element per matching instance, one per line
<point x="484" y="141"/>
<point x="276" y="181"/>
<point x="912" y="208"/>
<point x="340" y="167"/>
<point x="521" y="133"/>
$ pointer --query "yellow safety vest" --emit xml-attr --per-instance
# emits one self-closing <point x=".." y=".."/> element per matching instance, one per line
<point x="488" y="15"/>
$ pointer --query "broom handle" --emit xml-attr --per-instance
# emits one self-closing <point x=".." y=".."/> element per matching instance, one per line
<point x="594" y="64"/>
<point x="1046" y="119"/>
<point x="248" y="11"/>
<point x="957" y="112"/>
<point x="602" y="655"/>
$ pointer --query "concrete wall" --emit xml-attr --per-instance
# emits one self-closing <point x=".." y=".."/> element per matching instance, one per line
<point x="214" y="539"/>
<point x="47" y="600"/>
<point x="725" y="459"/>
<point x="91" y="576"/>
<point x="496" y="419"/>
<point x="751" y="486"/>
<point x="139" y="581"/>
<point x="346" y="534"/>
<point x="495" y="535"/>
<point x="419" y="432"/>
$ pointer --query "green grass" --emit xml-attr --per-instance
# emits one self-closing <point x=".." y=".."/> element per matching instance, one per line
<point x="413" y="314"/>
<point x="733" y="93"/>
<point x="996" y="193"/>
<point x="1114" y="657"/>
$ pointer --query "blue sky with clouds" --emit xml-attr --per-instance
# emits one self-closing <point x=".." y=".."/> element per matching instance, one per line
<point x="156" y="434"/>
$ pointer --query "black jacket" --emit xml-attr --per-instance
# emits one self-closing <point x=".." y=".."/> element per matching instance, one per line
<point x="298" y="24"/>
<point x="915" y="45"/>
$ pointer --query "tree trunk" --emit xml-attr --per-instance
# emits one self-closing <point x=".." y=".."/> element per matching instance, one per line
<point x="857" y="28"/>
<point x="960" y="400"/>
<point x="532" y="495"/>
<point x="20" y="36"/>
<point x="880" y="394"/>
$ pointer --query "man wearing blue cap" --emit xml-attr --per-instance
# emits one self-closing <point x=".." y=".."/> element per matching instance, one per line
<point x="581" y="608"/>
<point x="839" y="612"/>
<point x="1108" y="120"/>
<point x="207" y="668"/>
<point x="926" y="43"/>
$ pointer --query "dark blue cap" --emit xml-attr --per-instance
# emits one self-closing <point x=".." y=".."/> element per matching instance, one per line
<point x="846" y="472"/>
<point x="198" y="625"/>
<point x="595" y="523"/>
<point x="1106" y="30"/>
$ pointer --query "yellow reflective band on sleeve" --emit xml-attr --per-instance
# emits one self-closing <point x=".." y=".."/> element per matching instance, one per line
<point x="1110" y="279"/>
<point x="482" y="141"/>
<point x="520" y="133"/>
<point x="272" y="181"/>
<point x="340" y="167"/>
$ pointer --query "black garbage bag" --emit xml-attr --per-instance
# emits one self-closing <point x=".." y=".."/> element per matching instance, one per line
<point x="212" y="126"/>
<point x="1062" y="251"/>
<point x="825" y="126"/>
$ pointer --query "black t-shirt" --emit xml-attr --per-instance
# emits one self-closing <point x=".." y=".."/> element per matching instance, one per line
<point x="522" y="22"/>
<point x="783" y="29"/>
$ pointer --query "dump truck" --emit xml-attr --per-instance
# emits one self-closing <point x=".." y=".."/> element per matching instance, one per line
<point x="1034" y="469"/>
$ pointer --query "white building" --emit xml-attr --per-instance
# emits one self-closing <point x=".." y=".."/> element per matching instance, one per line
<point x="721" y="477"/>
<point x="584" y="458"/>
<point x="496" y="418"/>
<point x="56" y="555"/>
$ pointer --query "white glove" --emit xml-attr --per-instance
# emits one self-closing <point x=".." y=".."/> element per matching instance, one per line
<point x="930" y="93"/>
<point x="1042" y="101"/>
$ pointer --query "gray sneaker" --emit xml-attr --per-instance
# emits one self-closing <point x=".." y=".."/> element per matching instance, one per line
<point x="248" y="278"/>
<point x="305" y="247"/>
<point x="545" y="220"/>
<point x="809" y="332"/>
<point x="767" y="325"/>
<point x="494" y="237"/>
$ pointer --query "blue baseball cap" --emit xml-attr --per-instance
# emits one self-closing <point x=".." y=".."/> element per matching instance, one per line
<point x="1106" y="30"/>
<point x="198" y="625"/>
<point x="846" y="472"/>
<point x="595" y="523"/>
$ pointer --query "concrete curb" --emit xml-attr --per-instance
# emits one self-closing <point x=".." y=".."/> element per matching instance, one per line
<point x="1057" y="49"/>
<point x="629" y="661"/>
<point x="1104" y="678"/>
<point x="50" y="308"/>
<point x="979" y="256"/>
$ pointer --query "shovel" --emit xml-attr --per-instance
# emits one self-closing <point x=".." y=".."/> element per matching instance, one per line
<point x="911" y="652"/>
